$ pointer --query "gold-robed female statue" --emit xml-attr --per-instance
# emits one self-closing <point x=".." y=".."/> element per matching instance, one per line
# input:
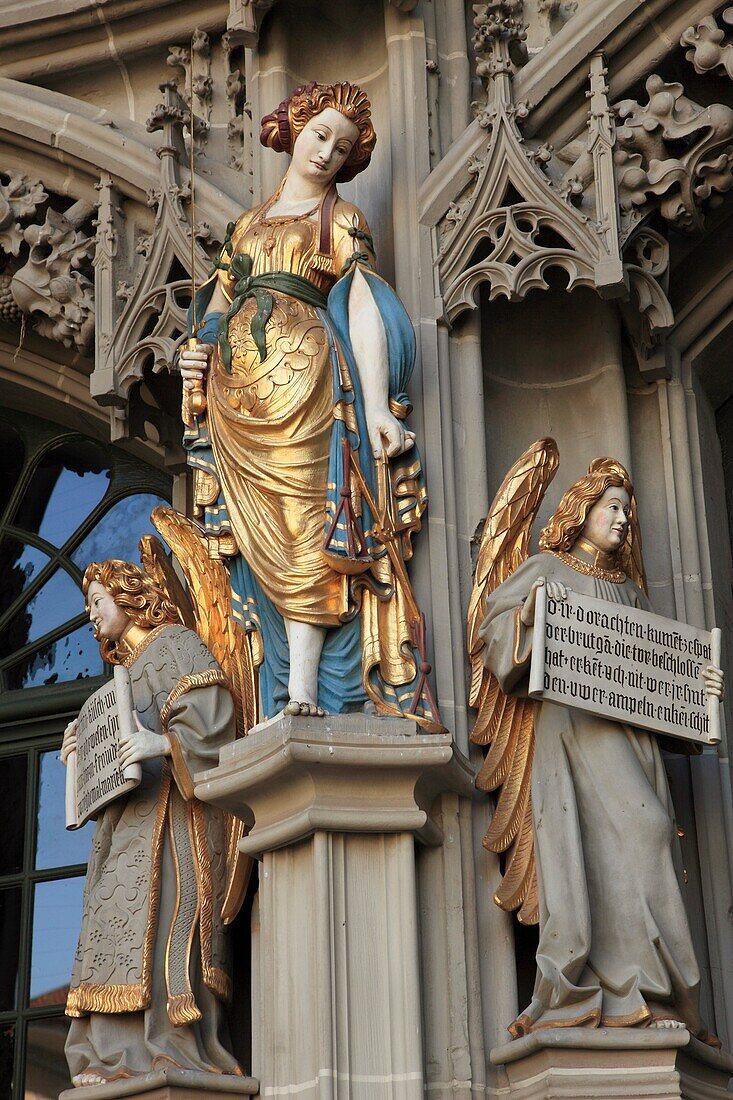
<point x="307" y="480"/>
<point x="583" y="812"/>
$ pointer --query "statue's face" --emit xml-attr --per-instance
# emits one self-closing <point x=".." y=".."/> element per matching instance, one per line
<point x="608" y="520"/>
<point x="109" y="620"/>
<point x="323" y="145"/>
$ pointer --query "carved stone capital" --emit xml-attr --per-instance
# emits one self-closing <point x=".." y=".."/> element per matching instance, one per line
<point x="344" y="773"/>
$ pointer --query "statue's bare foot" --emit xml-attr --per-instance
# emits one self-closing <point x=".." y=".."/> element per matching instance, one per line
<point x="80" y="1080"/>
<point x="307" y="710"/>
<point x="671" y="1025"/>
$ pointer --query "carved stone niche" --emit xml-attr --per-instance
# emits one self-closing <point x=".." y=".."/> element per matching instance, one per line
<point x="46" y="250"/>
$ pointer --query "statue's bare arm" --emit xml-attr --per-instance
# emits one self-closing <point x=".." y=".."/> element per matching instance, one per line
<point x="369" y="343"/>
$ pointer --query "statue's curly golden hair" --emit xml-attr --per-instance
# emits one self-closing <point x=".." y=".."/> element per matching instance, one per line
<point x="135" y="593"/>
<point x="571" y="513"/>
<point x="280" y="128"/>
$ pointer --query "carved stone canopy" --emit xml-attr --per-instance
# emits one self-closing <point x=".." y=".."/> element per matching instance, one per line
<point x="515" y="223"/>
<point x="140" y="325"/>
<point x="638" y="166"/>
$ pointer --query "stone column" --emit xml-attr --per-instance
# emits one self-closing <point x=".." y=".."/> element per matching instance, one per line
<point x="334" y="807"/>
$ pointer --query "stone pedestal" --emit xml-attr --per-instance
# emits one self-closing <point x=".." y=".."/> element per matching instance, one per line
<point x="606" y="1063"/>
<point x="169" y="1083"/>
<point x="334" y="808"/>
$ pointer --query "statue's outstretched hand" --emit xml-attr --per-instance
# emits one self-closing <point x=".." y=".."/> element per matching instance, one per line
<point x="714" y="680"/>
<point x="193" y="364"/>
<point x="556" y="590"/>
<point x="387" y="433"/>
<point x="142" y="745"/>
<point x="68" y="745"/>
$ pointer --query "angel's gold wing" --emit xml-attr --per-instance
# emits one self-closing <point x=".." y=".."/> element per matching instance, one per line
<point x="505" y="722"/>
<point x="156" y="565"/>
<point x="238" y="653"/>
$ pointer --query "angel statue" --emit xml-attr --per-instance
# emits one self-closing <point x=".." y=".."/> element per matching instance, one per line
<point x="151" y="974"/>
<point x="584" y="812"/>
<point x="307" y="479"/>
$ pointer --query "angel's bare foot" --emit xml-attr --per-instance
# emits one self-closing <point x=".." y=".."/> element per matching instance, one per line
<point x="671" y="1025"/>
<point x="80" y="1080"/>
<point x="307" y="710"/>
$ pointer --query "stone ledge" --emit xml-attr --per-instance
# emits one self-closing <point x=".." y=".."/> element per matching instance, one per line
<point x="606" y="1063"/>
<point x="169" y="1083"/>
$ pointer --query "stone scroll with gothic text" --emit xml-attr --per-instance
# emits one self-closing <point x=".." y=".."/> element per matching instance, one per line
<point x="94" y="776"/>
<point x="625" y="664"/>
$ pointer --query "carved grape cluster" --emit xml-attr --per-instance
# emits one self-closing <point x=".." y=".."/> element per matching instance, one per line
<point x="9" y="311"/>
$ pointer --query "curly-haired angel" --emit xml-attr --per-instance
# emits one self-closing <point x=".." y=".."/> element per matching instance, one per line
<point x="151" y="972"/>
<point x="583" y="812"/>
<point x="296" y="411"/>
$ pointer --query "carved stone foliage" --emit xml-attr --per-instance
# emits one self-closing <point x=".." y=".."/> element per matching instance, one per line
<point x="674" y="155"/>
<point x="709" y="51"/>
<point x="211" y="73"/>
<point x="647" y="314"/>
<point x="195" y="62"/>
<point x="46" y="249"/>
<point x="514" y="223"/>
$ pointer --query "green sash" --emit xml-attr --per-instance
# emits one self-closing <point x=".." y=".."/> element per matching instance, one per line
<point x="259" y="287"/>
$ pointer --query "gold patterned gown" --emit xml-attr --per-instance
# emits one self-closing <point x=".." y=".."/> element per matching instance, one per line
<point x="270" y="420"/>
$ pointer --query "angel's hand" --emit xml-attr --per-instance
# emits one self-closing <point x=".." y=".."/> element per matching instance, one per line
<point x="527" y="613"/>
<point x="68" y="745"/>
<point x="557" y="591"/>
<point x="142" y="745"/>
<point x="714" y="681"/>
<point x="193" y="364"/>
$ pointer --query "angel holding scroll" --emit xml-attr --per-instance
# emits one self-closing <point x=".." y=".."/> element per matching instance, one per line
<point x="584" y="811"/>
<point x="151" y="972"/>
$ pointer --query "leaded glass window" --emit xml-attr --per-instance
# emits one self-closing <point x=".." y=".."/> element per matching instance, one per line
<point x="66" y="500"/>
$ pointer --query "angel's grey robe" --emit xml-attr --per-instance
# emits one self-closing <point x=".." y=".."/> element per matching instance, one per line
<point x="151" y="969"/>
<point x="615" y="946"/>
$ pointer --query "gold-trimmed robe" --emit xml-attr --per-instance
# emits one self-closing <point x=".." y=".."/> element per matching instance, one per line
<point x="152" y="969"/>
<point x="615" y="948"/>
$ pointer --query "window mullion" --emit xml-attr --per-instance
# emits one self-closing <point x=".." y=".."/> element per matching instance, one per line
<point x="26" y="926"/>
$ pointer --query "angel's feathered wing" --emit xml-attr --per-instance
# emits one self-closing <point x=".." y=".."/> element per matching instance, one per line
<point x="505" y="722"/>
<point x="235" y="651"/>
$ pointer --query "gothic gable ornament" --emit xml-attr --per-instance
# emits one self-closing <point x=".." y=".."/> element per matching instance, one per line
<point x="143" y="323"/>
<point x="516" y="224"/>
